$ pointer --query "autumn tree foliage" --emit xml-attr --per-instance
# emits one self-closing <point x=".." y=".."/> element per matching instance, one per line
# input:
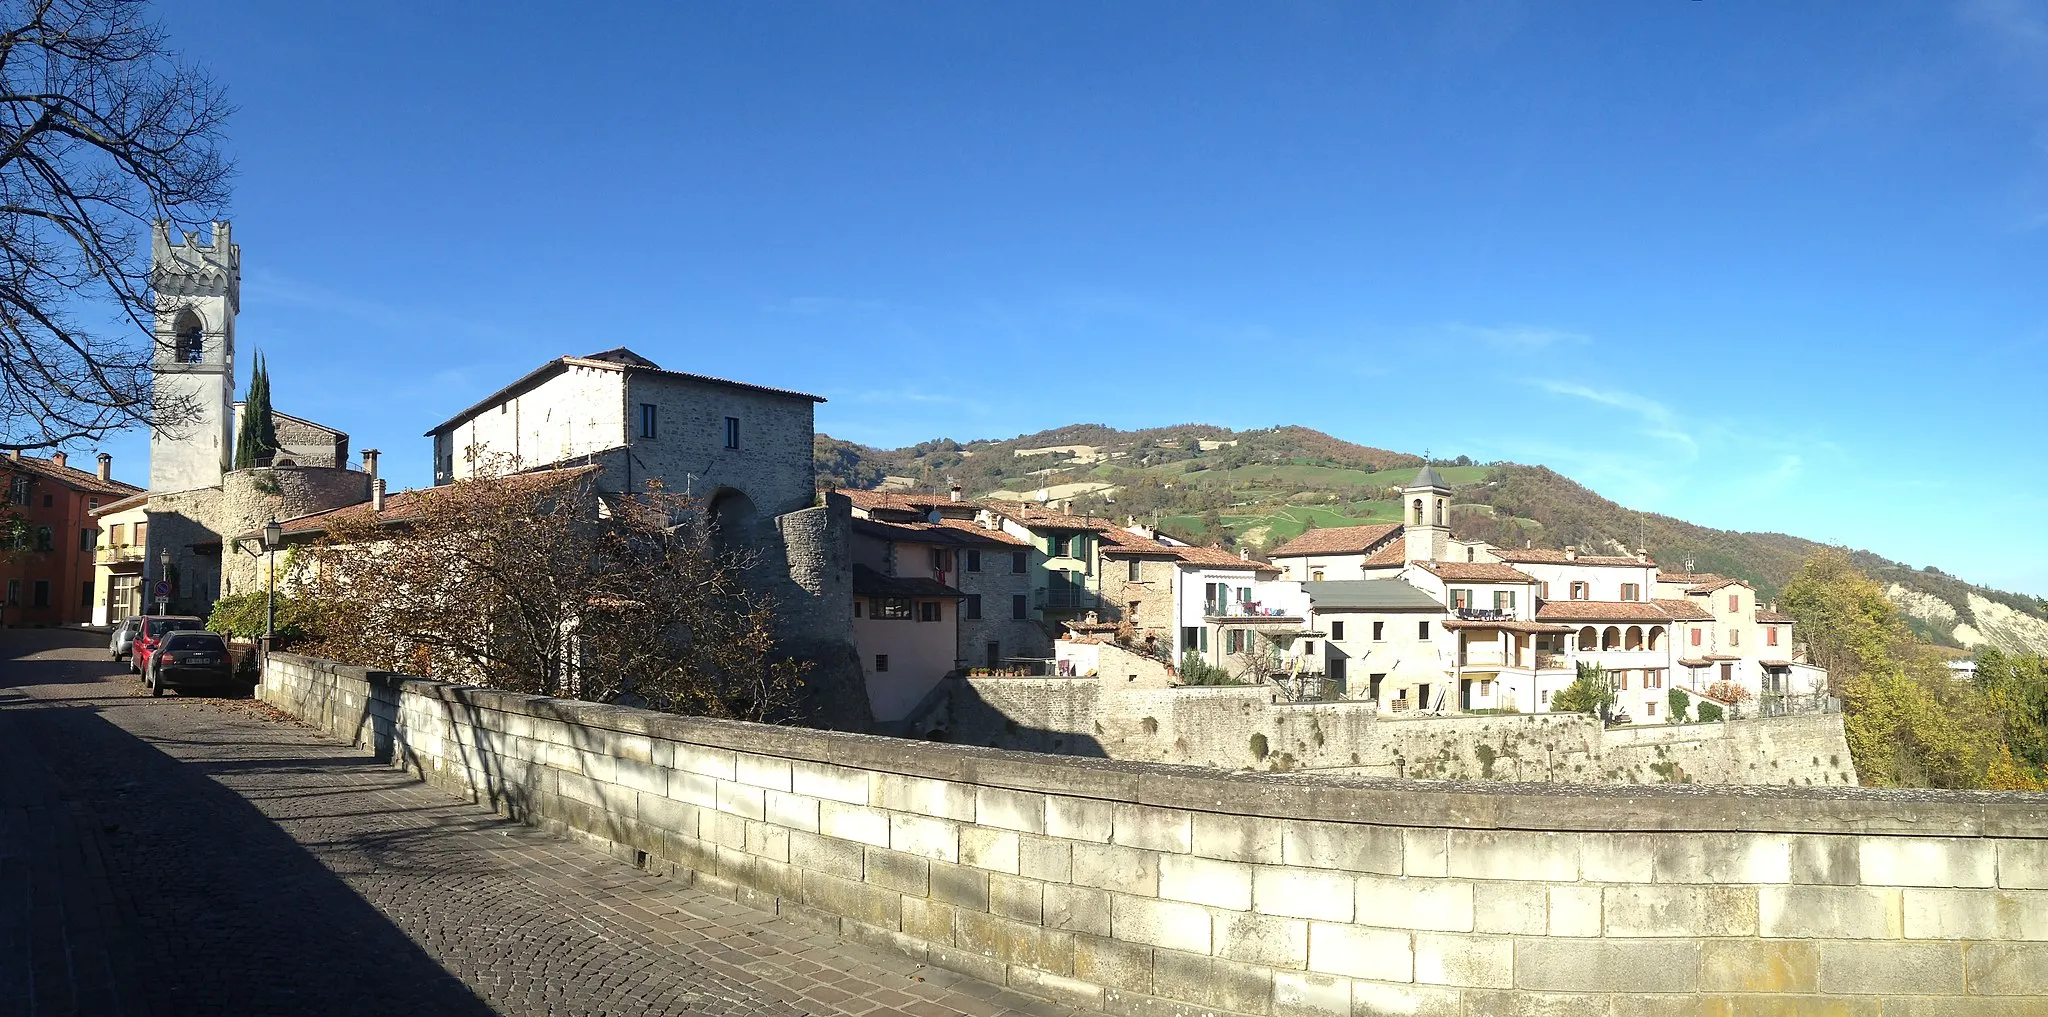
<point x="1909" y="722"/>
<point x="537" y="583"/>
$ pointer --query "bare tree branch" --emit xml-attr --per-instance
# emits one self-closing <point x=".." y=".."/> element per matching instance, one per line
<point x="102" y="131"/>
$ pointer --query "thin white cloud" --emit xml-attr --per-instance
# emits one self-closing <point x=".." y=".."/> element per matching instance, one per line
<point x="1519" y="338"/>
<point x="1658" y="419"/>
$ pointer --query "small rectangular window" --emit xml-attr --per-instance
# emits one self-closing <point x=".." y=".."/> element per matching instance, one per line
<point x="881" y="662"/>
<point x="929" y="611"/>
<point x="1336" y="630"/>
<point x="87" y="539"/>
<point x="1379" y="632"/>
<point x="648" y="419"/>
<point x="1695" y="637"/>
<point x="1543" y="590"/>
<point x="1422" y="631"/>
<point x="1461" y="599"/>
<point x="42" y="593"/>
<point x="973" y="561"/>
<point x="1137" y="572"/>
<point x="1734" y="603"/>
<point x="1018" y="561"/>
<point x="1580" y="591"/>
<point x="1631" y="591"/>
<point x="1771" y="635"/>
<point x="1734" y="637"/>
<point x="1020" y="607"/>
<point x="117" y="534"/>
<point x="1056" y="546"/>
<point x="732" y="432"/>
<point x="1504" y="600"/>
<point x="973" y="605"/>
<point x="1188" y="635"/>
<point x="893" y="608"/>
<point x="856" y="609"/>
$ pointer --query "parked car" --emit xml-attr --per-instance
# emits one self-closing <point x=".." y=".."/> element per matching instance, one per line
<point x="151" y="632"/>
<point x="191" y="660"/>
<point x="122" y="642"/>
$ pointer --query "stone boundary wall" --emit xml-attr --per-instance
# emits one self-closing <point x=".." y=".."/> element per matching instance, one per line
<point x="1246" y="727"/>
<point x="1140" y="888"/>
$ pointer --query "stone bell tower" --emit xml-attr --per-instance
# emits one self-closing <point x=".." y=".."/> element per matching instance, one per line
<point x="198" y="291"/>
<point x="1426" y="516"/>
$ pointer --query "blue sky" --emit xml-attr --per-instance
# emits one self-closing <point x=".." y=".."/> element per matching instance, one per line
<point x="1759" y="266"/>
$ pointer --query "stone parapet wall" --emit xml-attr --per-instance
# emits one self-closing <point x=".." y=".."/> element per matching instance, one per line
<point x="1140" y="888"/>
<point x="1245" y="727"/>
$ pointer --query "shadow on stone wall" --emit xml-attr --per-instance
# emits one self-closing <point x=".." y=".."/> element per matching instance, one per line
<point x="959" y="712"/>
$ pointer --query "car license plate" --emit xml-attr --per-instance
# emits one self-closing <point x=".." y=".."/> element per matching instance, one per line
<point x="200" y="658"/>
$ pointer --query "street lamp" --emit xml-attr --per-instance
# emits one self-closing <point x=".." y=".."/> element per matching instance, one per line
<point x="163" y="579"/>
<point x="273" y="535"/>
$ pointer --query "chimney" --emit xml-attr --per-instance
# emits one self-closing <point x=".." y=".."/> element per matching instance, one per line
<point x="106" y="466"/>
<point x="1571" y="552"/>
<point x="376" y="496"/>
<point x="956" y="492"/>
<point x="1244" y="554"/>
<point x="14" y="455"/>
<point x="370" y="464"/>
<point x="59" y="457"/>
<point x="1642" y="554"/>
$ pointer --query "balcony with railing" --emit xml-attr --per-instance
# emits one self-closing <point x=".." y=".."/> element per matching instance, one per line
<point x="1245" y="611"/>
<point x="119" y="554"/>
<point x="1064" y="598"/>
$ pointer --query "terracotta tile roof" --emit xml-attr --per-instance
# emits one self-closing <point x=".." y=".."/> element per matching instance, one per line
<point x="1122" y="543"/>
<point x="903" y="501"/>
<point x="1686" y="578"/>
<point x="1338" y="540"/>
<point x="1508" y="624"/>
<point x="1764" y="617"/>
<point x="1038" y="516"/>
<point x="1218" y="558"/>
<point x="1601" y="610"/>
<point x="69" y="476"/>
<point x="869" y="583"/>
<point x="1691" y="662"/>
<point x="1546" y="556"/>
<point x="1775" y="663"/>
<point x="403" y="506"/>
<point x="1475" y="572"/>
<point x="1395" y="555"/>
<point x="1685" y="610"/>
<point x="1717" y="583"/>
<point x="950" y="532"/>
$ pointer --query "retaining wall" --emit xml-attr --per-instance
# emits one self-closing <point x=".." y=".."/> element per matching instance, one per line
<point x="1234" y="728"/>
<point x="1142" y="888"/>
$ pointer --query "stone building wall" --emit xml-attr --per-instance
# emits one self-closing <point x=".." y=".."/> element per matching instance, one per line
<point x="996" y="585"/>
<point x="1136" y="888"/>
<point x="199" y="526"/>
<point x="1152" y="591"/>
<point x="773" y="464"/>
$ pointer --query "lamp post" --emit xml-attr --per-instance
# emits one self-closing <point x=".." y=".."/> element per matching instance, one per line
<point x="163" y="579"/>
<point x="273" y="535"/>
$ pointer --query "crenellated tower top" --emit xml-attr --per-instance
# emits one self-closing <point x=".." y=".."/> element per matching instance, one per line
<point x="182" y="266"/>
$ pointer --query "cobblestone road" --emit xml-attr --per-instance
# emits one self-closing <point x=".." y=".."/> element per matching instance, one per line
<point x="190" y="855"/>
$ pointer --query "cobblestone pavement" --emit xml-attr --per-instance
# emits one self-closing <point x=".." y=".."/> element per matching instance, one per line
<point x="190" y="855"/>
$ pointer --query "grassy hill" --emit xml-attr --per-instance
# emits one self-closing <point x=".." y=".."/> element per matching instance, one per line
<point x="1262" y="488"/>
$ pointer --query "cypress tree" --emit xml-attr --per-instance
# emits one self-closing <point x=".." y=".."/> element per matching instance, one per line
<point x="256" y="437"/>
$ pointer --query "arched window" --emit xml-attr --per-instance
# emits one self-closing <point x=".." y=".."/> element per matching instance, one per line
<point x="1439" y="511"/>
<point x="1610" y="639"/>
<point x="1418" y="512"/>
<point x="1656" y="637"/>
<point x="1634" y="639"/>
<point x="1588" y="639"/>
<point x="191" y="340"/>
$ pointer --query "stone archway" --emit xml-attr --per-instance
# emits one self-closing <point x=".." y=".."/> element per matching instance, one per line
<point x="733" y="518"/>
<point x="1633" y="639"/>
<point x="1610" y="639"/>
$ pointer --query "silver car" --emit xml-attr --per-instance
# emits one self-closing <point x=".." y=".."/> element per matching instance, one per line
<point x="122" y="643"/>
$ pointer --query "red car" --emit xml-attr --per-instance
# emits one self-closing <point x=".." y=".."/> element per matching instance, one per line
<point x="151" y="636"/>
